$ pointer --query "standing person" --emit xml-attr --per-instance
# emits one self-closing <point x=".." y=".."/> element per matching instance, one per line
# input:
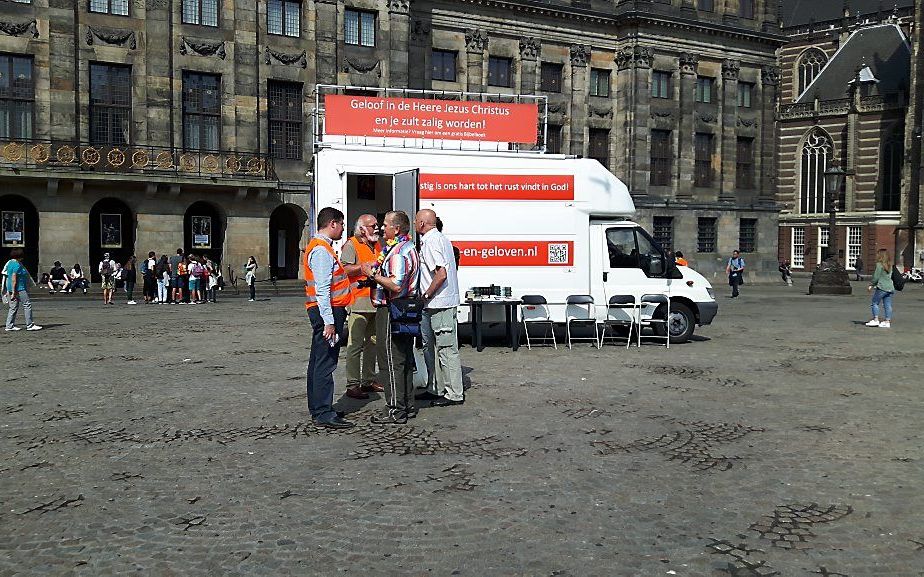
<point x="396" y="277"/>
<point x="786" y="272"/>
<point x="439" y="280"/>
<point x="129" y="277"/>
<point x="194" y="269"/>
<point x="883" y="290"/>
<point x="214" y="280"/>
<point x="679" y="260"/>
<point x="162" y="275"/>
<point x="858" y="268"/>
<point x="149" y="277"/>
<point x="327" y="295"/>
<point x="175" y="275"/>
<point x="183" y="280"/>
<point x="735" y="271"/>
<point x="78" y="280"/>
<point x="57" y="278"/>
<point x="361" y="354"/>
<point x="251" y="276"/>
<point x="16" y="290"/>
<point x="107" y="271"/>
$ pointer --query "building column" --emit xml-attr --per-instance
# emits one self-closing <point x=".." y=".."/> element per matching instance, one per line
<point x="529" y="58"/>
<point x="728" y="112"/>
<point x="685" y="159"/>
<point x="399" y="27"/>
<point x="848" y="163"/>
<point x="636" y="60"/>
<point x="326" y="41"/>
<point x="476" y="42"/>
<point x="767" y="167"/>
<point x="419" y="52"/>
<point x="580" y="56"/>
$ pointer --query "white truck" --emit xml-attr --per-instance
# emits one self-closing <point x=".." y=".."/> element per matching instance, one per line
<point x="542" y="224"/>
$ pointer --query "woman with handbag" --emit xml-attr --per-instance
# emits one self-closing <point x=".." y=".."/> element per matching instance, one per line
<point x="883" y="289"/>
<point x="735" y="271"/>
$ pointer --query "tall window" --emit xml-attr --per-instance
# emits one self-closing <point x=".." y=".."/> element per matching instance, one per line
<point x="822" y="243"/>
<point x="17" y="96"/>
<point x="660" y="84"/>
<point x="285" y="119"/>
<point x="284" y="17"/>
<point x="599" y="82"/>
<point x="443" y="65"/>
<point x="702" y="151"/>
<point x="745" y="92"/>
<point x="359" y="28"/>
<point x="891" y="172"/>
<point x="600" y="145"/>
<point x="744" y="163"/>
<point x="810" y="64"/>
<point x="746" y="9"/>
<point x="817" y="153"/>
<point x="118" y="7"/>
<point x="499" y="71"/>
<point x="201" y="111"/>
<point x="706" y="234"/>
<point x="663" y="229"/>
<point x="854" y="245"/>
<point x="747" y="235"/>
<point x="704" y="86"/>
<point x="706" y="5"/>
<point x="110" y="103"/>
<point x="798" y="247"/>
<point x="661" y="157"/>
<point x="550" y="77"/>
<point x="204" y="12"/>
<point x="553" y="139"/>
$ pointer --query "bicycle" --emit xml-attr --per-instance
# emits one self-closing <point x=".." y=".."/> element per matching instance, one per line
<point x="233" y="280"/>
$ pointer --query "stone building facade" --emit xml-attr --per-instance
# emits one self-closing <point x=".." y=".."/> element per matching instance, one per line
<point x="143" y="125"/>
<point x="844" y="96"/>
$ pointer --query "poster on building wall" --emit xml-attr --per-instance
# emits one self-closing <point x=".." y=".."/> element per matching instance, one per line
<point x="110" y="230"/>
<point x="202" y="232"/>
<point x="13" y="229"/>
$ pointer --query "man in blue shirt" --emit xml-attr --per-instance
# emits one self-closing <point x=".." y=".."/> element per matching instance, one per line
<point x="735" y="270"/>
<point x="15" y="286"/>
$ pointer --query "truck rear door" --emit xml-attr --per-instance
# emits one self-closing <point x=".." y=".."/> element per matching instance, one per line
<point x="406" y="192"/>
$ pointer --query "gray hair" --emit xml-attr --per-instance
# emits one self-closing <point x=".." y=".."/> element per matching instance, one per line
<point x="358" y="227"/>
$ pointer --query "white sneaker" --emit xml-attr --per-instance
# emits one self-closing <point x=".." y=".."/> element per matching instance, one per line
<point x="873" y="323"/>
<point x="885" y="325"/>
<point x="34" y="328"/>
<point x="131" y="303"/>
<point x="250" y="300"/>
<point x="14" y="328"/>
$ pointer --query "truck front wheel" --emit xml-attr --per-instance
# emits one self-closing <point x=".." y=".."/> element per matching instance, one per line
<point x="681" y="323"/>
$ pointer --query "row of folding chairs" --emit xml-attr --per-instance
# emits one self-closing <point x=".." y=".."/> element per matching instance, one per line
<point x="621" y="311"/>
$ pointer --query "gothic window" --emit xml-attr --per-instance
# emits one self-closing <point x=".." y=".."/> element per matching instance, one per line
<point x="891" y="172"/>
<point x="817" y="155"/>
<point x="810" y="64"/>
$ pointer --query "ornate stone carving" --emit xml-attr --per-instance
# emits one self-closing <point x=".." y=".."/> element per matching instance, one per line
<point x="530" y="47"/>
<point x="601" y="111"/>
<point x="707" y="118"/>
<point x="18" y="29"/>
<point x="300" y="58"/>
<point x="730" y="69"/>
<point x="770" y="75"/>
<point x="662" y="114"/>
<point x="203" y="48"/>
<point x="476" y="40"/>
<point x="419" y="30"/>
<point x="747" y="122"/>
<point x="357" y="65"/>
<point x="580" y="55"/>
<point x="688" y="63"/>
<point x="399" y="6"/>
<point x="557" y="108"/>
<point x="156" y="4"/>
<point x="112" y="36"/>
<point x="634" y="57"/>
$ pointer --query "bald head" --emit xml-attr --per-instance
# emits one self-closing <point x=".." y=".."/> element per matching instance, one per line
<point x="424" y="221"/>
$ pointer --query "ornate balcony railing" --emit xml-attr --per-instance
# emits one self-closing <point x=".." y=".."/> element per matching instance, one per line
<point x="841" y="106"/>
<point x="133" y="159"/>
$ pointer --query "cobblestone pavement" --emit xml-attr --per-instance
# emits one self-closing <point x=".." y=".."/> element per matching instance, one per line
<point x="166" y="440"/>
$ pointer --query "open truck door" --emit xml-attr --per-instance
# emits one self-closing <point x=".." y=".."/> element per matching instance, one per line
<point x="406" y="193"/>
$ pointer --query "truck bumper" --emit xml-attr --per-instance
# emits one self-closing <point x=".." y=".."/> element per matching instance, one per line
<point x="707" y="312"/>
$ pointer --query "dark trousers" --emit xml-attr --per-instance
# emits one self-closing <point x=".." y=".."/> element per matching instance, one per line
<point x="397" y="371"/>
<point x="129" y="289"/>
<point x="322" y="361"/>
<point x="150" y="286"/>
<point x="253" y="293"/>
<point x="734" y="280"/>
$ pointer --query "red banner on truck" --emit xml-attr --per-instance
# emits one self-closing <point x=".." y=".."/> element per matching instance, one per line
<point x="515" y="252"/>
<point x="497" y="186"/>
<point x="430" y="119"/>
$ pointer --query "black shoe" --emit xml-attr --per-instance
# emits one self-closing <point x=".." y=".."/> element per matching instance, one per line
<point x="427" y="396"/>
<point x="335" y="423"/>
<point x="388" y="417"/>
<point x="444" y="402"/>
<point x="411" y="413"/>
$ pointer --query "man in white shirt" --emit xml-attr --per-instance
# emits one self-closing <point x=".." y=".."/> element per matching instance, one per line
<point x="108" y="270"/>
<point x="439" y="281"/>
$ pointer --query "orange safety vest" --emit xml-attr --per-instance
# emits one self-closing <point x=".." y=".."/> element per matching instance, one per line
<point x="340" y="295"/>
<point x="363" y="254"/>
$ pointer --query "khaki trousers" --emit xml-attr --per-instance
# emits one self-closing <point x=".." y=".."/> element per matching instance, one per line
<point x="360" y="352"/>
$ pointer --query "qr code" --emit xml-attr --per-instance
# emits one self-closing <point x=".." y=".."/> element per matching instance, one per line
<point x="558" y="254"/>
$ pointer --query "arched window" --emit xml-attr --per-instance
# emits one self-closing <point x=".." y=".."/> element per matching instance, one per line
<point x="890" y="172"/>
<point x="817" y="154"/>
<point x="810" y="64"/>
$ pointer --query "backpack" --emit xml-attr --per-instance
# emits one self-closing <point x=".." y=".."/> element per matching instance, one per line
<point x="106" y="268"/>
<point x="144" y="266"/>
<point x="898" y="279"/>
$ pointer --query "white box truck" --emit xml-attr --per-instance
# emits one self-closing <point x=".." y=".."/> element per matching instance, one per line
<point x="542" y="224"/>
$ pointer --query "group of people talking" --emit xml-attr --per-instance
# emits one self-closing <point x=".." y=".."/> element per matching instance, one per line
<point x="348" y="300"/>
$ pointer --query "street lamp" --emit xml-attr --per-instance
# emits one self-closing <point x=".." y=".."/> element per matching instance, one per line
<point x="834" y="179"/>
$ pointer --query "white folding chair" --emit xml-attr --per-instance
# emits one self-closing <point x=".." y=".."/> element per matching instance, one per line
<point x="534" y="310"/>
<point x="581" y="309"/>
<point x="662" y="304"/>
<point x="621" y="311"/>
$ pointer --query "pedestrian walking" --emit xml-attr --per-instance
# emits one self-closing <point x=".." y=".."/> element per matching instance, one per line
<point x="16" y="281"/>
<point x="439" y="281"/>
<point x="107" y="271"/>
<point x="858" y="268"/>
<point x="149" y="278"/>
<point x="361" y="248"/>
<point x="735" y="271"/>
<point x="175" y="276"/>
<point x="883" y="290"/>
<point x="129" y="277"/>
<point x="327" y="296"/>
<point x="785" y="272"/>
<point x="396" y="277"/>
<point x="162" y="275"/>
<point x="251" y="276"/>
